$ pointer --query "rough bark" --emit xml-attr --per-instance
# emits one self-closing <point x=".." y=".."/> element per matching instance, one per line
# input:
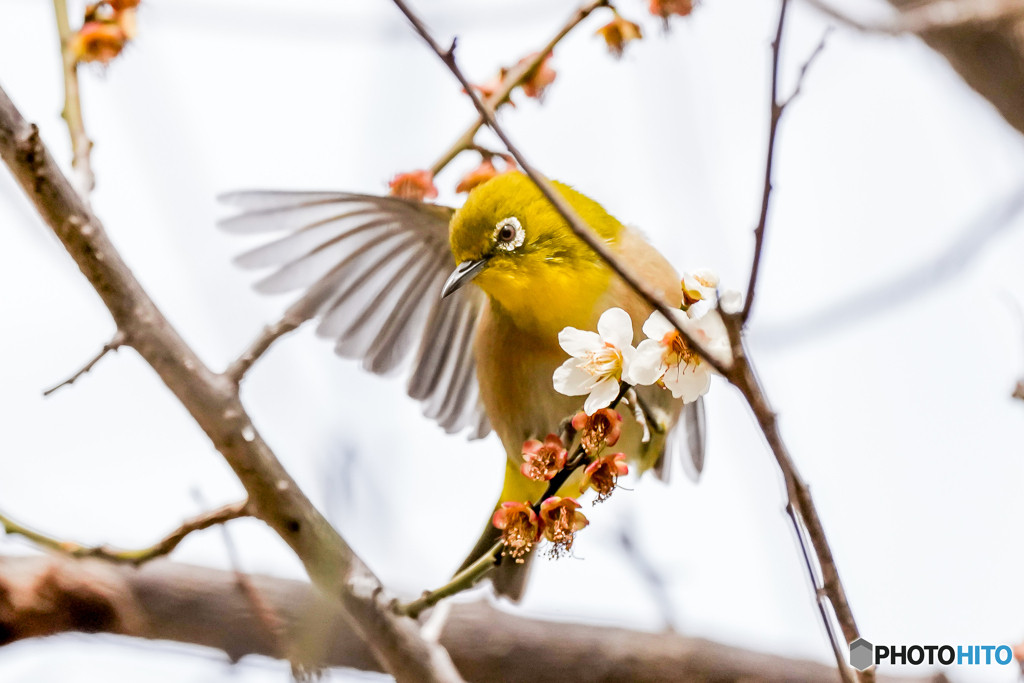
<point x="41" y="596"/>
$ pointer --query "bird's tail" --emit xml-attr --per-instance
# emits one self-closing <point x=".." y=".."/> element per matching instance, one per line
<point x="509" y="577"/>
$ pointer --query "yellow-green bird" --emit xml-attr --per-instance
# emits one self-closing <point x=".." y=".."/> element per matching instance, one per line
<point x="482" y="292"/>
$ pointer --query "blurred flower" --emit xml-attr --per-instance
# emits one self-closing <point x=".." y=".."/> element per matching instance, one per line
<point x="539" y="78"/>
<point x="666" y="356"/>
<point x="700" y="285"/>
<point x="520" y="528"/>
<point x="666" y="8"/>
<point x="599" y="359"/>
<point x="478" y="176"/>
<point x="598" y="430"/>
<point x="543" y="460"/>
<point x="488" y="89"/>
<point x="98" y="41"/>
<point x="619" y="32"/>
<point x="560" y="521"/>
<point x="603" y="473"/>
<point x="121" y="5"/>
<point x="415" y="185"/>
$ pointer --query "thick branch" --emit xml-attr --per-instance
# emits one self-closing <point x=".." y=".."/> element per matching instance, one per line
<point x="81" y="146"/>
<point x="933" y="16"/>
<point x="213" y="402"/>
<point x="171" y="601"/>
<point x="132" y="557"/>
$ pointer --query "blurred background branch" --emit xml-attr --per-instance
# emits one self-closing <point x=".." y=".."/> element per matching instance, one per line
<point x="82" y="177"/>
<point x="43" y="596"/>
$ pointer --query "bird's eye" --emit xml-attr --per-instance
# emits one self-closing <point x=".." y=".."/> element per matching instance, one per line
<point x="509" y="234"/>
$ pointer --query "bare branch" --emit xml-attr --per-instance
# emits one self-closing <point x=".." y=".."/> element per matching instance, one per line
<point x="464" y="580"/>
<point x="132" y="557"/>
<point x="576" y="223"/>
<point x="777" y="108"/>
<point x="514" y="78"/>
<point x="202" y="606"/>
<point x="81" y="146"/>
<point x="116" y="342"/>
<point x="213" y="402"/>
<point x="932" y="16"/>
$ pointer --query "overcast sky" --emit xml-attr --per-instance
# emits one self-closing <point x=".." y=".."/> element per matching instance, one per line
<point x="884" y="329"/>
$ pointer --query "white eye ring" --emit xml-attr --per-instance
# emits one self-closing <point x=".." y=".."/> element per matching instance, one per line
<point x="516" y="241"/>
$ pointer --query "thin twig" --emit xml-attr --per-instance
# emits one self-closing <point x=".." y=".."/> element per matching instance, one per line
<point x="932" y="16"/>
<point x="116" y="342"/>
<point x="81" y="146"/>
<point x="512" y="79"/>
<point x="462" y="581"/>
<point x="777" y="108"/>
<point x="132" y="557"/>
<point x="575" y="222"/>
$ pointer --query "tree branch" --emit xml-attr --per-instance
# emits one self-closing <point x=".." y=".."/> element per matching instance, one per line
<point x="776" y="110"/>
<point x="933" y="16"/>
<point x="171" y="601"/>
<point x="116" y="342"/>
<point x="514" y="78"/>
<point x="132" y="557"/>
<point x="213" y="402"/>
<point x="81" y="146"/>
<point x="464" y="580"/>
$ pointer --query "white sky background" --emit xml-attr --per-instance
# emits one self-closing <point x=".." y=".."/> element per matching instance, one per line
<point x="901" y="421"/>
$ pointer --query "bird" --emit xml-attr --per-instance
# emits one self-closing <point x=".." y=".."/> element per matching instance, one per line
<point x="481" y="293"/>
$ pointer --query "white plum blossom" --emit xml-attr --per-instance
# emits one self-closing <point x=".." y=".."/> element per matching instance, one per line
<point x="665" y="356"/>
<point x="599" y="360"/>
<point x="700" y="285"/>
<point x="731" y="301"/>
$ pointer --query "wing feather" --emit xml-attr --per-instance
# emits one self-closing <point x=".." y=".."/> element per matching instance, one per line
<point x="373" y="268"/>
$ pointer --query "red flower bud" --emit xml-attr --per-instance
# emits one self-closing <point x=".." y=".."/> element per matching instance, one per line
<point x="619" y="32"/>
<point x="415" y="185"/>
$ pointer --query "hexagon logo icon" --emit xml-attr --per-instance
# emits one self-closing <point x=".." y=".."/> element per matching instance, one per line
<point x="862" y="654"/>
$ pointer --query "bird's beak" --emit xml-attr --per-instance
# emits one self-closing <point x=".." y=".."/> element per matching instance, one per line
<point x="463" y="273"/>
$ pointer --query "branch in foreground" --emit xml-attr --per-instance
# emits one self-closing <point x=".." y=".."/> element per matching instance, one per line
<point x="114" y="344"/>
<point x="133" y="557"/>
<point x="81" y="146"/>
<point x="171" y="601"/>
<point x="213" y="402"/>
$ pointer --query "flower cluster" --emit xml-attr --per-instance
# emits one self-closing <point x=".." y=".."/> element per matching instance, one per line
<point x="601" y="361"/>
<point x="521" y="527"/>
<point x="107" y="28"/>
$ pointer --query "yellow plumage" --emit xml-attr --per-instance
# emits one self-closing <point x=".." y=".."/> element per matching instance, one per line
<point x="375" y="268"/>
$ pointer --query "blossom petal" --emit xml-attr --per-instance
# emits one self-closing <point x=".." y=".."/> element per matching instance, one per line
<point x="688" y="384"/>
<point x="731" y="301"/>
<point x="616" y="328"/>
<point x="601" y="395"/>
<point x="648" y="364"/>
<point x="657" y="326"/>
<point x="578" y="342"/>
<point x="571" y="380"/>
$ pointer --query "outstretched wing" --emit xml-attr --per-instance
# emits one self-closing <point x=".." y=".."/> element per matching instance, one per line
<point x="373" y="268"/>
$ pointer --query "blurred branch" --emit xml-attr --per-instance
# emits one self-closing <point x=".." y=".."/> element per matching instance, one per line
<point x="776" y="109"/>
<point x="116" y="342"/>
<point x="739" y="372"/>
<point x="132" y="557"/>
<point x="213" y="402"/>
<point x="41" y="596"/>
<point x="932" y="16"/>
<point x="81" y="146"/>
<point x="1018" y="392"/>
<point x="900" y="289"/>
<point x="511" y="80"/>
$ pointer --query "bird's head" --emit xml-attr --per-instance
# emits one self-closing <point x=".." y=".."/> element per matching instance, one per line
<point x="513" y="243"/>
